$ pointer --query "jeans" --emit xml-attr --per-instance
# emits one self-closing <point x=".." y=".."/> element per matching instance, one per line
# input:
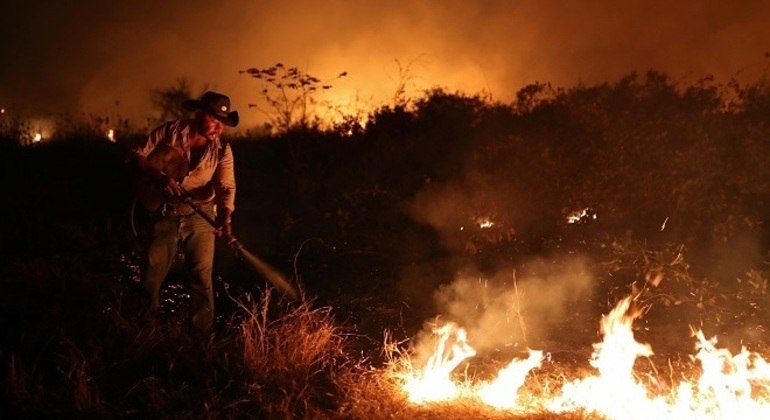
<point x="196" y="237"/>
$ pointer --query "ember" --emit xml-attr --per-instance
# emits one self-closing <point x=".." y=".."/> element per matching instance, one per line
<point x="581" y="216"/>
<point x="484" y="222"/>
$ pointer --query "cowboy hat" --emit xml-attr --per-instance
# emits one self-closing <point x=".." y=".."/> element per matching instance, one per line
<point x="215" y="104"/>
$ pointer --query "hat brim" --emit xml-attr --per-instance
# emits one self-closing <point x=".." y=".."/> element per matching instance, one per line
<point x="231" y="120"/>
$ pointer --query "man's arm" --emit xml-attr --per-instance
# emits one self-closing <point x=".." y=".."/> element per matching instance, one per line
<point x="224" y="186"/>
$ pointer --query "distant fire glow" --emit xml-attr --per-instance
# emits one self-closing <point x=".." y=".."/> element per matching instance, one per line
<point x="111" y="135"/>
<point x="581" y="216"/>
<point x="484" y="222"/>
<point x="728" y="386"/>
<point x="40" y="129"/>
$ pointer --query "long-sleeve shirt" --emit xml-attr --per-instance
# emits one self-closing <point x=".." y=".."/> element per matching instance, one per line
<point x="213" y="177"/>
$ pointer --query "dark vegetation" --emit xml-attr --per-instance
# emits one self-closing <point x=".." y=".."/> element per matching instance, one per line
<point x="676" y="174"/>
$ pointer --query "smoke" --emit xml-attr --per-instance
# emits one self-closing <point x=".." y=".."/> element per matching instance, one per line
<point x="515" y="308"/>
<point x="739" y="262"/>
<point x="510" y="309"/>
<point x="479" y="207"/>
<point x="91" y="55"/>
<point x="502" y="300"/>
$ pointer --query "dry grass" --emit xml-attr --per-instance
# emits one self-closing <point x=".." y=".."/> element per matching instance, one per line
<point x="22" y="388"/>
<point x="274" y="359"/>
<point x="377" y="393"/>
<point x="292" y="361"/>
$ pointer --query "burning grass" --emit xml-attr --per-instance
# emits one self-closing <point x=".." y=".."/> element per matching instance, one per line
<point x="716" y="384"/>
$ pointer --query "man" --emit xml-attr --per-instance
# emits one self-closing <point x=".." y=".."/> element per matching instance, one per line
<point x="181" y="162"/>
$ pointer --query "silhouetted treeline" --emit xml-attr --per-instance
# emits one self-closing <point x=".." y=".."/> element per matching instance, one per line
<point x="447" y="180"/>
<point x="650" y="157"/>
<point x="644" y="153"/>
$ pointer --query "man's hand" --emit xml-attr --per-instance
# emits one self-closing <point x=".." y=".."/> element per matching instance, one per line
<point x="167" y="184"/>
<point x="224" y="220"/>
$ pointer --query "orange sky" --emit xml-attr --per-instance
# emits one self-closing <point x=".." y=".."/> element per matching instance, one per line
<point x="61" y="58"/>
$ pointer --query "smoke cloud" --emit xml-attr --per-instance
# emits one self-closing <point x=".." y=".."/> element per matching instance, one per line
<point x="510" y="309"/>
<point x="515" y="309"/>
<point x="105" y="57"/>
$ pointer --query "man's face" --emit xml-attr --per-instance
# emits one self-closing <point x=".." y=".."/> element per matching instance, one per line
<point x="210" y="126"/>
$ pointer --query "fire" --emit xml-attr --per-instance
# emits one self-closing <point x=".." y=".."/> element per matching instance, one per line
<point x="729" y="386"/>
<point x="502" y="392"/>
<point x="434" y="382"/>
<point x="581" y="216"/>
<point x="111" y="135"/>
<point x="725" y="386"/>
<point x="724" y="389"/>
<point x="484" y="222"/>
<point x="614" y="392"/>
<point x="38" y="137"/>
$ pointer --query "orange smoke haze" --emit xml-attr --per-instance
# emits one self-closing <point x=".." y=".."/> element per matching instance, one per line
<point x="88" y="55"/>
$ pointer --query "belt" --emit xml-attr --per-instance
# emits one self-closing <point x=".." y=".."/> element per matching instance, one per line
<point x="183" y="209"/>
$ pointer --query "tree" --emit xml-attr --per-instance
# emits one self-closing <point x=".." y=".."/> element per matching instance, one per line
<point x="168" y="100"/>
<point x="288" y="96"/>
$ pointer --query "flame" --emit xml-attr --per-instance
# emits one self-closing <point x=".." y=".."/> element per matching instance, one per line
<point x="729" y="386"/>
<point x="723" y="390"/>
<point x="37" y="137"/>
<point x="725" y="386"/>
<point x="581" y="216"/>
<point x="484" y="222"/>
<point x="433" y="382"/>
<point x="614" y="392"/>
<point x="111" y="135"/>
<point x="502" y="392"/>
